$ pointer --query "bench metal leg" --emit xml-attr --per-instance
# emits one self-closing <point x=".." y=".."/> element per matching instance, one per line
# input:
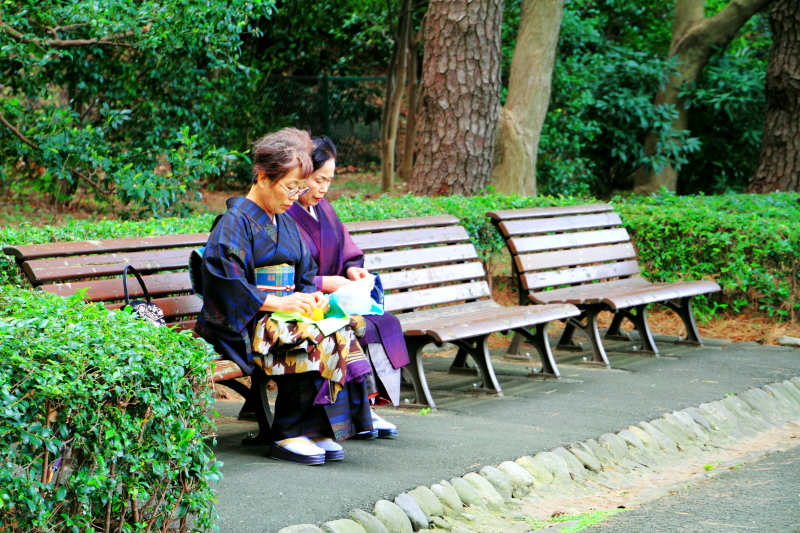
<point x="684" y="310"/>
<point x="613" y="333"/>
<point x="638" y="316"/>
<point x="478" y="348"/>
<point x="565" y="342"/>
<point x="247" y="411"/>
<point x="542" y="344"/>
<point x="258" y="398"/>
<point x="590" y="329"/>
<point x="513" y="348"/>
<point x="422" y="394"/>
<point x="460" y="365"/>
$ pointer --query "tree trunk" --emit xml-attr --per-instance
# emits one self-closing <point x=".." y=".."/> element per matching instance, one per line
<point x="395" y="82"/>
<point x="695" y="38"/>
<point x="459" y="97"/>
<point x="522" y="118"/>
<point x="779" y="163"/>
<point x="412" y="91"/>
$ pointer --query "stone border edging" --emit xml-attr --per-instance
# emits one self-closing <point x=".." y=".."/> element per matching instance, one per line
<point x="479" y="500"/>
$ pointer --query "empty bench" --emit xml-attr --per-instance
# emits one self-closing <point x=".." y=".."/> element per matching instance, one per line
<point x="583" y="256"/>
<point x="436" y="286"/>
<point x="64" y="268"/>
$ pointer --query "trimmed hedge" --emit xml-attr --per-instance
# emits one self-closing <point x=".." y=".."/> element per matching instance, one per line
<point x="747" y="243"/>
<point x="100" y="420"/>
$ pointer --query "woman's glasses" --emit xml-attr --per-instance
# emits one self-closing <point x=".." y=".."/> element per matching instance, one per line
<point x="292" y="193"/>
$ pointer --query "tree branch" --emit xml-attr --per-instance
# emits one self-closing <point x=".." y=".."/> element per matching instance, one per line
<point x="17" y="133"/>
<point x="110" y="40"/>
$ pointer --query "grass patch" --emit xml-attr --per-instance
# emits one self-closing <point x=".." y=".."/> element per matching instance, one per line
<point x="583" y="520"/>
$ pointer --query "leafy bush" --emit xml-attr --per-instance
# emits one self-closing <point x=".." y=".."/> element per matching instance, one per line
<point x="744" y="242"/>
<point x="100" y="420"/>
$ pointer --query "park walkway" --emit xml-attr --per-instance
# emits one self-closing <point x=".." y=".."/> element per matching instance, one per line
<point x="467" y="432"/>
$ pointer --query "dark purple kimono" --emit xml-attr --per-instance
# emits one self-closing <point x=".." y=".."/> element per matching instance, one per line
<point x="334" y="251"/>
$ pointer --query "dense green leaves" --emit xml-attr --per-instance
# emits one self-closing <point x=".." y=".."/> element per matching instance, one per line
<point x="100" y="415"/>
<point x="748" y="243"/>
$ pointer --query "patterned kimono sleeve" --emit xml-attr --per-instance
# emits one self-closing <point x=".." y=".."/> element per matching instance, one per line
<point x="227" y="262"/>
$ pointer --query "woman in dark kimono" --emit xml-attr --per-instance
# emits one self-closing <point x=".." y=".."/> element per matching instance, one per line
<point x="340" y="262"/>
<point x="319" y="377"/>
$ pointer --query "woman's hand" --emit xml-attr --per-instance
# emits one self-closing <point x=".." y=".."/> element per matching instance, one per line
<point x="356" y="273"/>
<point x="321" y="302"/>
<point x="299" y="302"/>
<point x="333" y="283"/>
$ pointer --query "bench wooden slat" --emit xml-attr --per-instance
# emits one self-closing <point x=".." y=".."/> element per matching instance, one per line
<point x="513" y="228"/>
<point x="577" y="256"/>
<point x="585" y="294"/>
<point x="483" y="323"/>
<point x="416" y="237"/>
<point x="522" y="245"/>
<point x="448" y="311"/>
<point x="568" y="276"/>
<point x="126" y="244"/>
<point x="43" y="270"/>
<point x="399" y="301"/>
<point x="224" y="369"/>
<point x="537" y="212"/>
<point x="400" y="223"/>
<point x="406" y="279"/>
<point x="111" y="289"/>
<point x="421" y="257"/>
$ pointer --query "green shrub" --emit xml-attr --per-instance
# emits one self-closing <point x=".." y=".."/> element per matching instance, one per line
<point x="746" y="243"/>
<point x="101" y="417"/>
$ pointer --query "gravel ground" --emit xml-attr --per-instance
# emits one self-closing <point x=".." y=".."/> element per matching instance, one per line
<point x="763" y="497"/>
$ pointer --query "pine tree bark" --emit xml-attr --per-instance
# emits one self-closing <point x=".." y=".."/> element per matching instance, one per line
<point x="695" y="38"/>
<point x="779" y="163"/>
<point x="459" y="97"/>
<point x="529" y="84"/>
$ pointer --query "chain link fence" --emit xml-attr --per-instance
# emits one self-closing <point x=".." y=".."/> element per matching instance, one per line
<point x="346" y="109"/>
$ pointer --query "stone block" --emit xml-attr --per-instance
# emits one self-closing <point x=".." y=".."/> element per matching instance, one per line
<point x="447" y="495"/>
<point x="521" y="478"/>
<point x="500" y="481"/>
<point x="467" y="493"/>
<point x="587" y="459"/>
<point x="540" y="475"/>
<point x="554" y="464"/>
<point x="699" y="419"/>
<point x="392" y="516"/>
<point x="301" y="528"/>
<point x="485" y="490"/>
<point x="427" y="501"/>
<point x="666" y="443"/>
<point x="342" y="526"/>
<point x="369" y="522"/>
<point x="419" y="520"/>
<point x="678" y="435"/>
<point x="576" y="468"/>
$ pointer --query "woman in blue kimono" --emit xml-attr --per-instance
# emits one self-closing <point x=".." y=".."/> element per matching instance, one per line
<point x="340" y="262"/>
<point x="319" y="376"/>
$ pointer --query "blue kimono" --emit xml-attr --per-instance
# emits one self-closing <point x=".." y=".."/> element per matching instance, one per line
<point x="243" y="240"/>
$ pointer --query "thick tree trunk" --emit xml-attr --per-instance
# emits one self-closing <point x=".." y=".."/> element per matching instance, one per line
<point x="459" y="97"/>
<point x="395" y="82"/>
<point x="522" y="118"/>
<point x="412" y="92"/>
<point x="779" y="164"/>
<point x="695" y="38"/>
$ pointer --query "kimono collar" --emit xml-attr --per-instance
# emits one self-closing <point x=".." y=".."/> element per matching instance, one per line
<point x="253" y="211"/>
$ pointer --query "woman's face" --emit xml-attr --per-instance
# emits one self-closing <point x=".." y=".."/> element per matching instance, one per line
<point x="318" y="183"/>
<point x="277" y="197"/>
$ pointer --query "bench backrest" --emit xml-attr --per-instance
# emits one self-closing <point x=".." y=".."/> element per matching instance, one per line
<point x="571" y="245"/>
<point x="96" y="267"/>
<point x="423" y="261"/>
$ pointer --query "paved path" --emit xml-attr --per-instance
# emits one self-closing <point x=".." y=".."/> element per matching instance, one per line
<point x="763" y="496"/>
<point x="259" y="494"/>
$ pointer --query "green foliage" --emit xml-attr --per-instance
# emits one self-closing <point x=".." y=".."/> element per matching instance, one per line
<point x="612" y="59"/>
<point x="110" y="96"/>
<point x="101" y="420"/>
<point x="747" y="243"/>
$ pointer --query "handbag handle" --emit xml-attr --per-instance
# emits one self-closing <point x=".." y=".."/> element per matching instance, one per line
<point x="138" y="278"/>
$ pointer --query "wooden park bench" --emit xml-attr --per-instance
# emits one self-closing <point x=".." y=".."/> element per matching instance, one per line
<point x="437" y="287"/>
<point x="582" y="255"/>
<point x="64" y="268"/>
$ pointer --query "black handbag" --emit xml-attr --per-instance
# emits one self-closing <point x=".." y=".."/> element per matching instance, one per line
<point x="144" y="308"/>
